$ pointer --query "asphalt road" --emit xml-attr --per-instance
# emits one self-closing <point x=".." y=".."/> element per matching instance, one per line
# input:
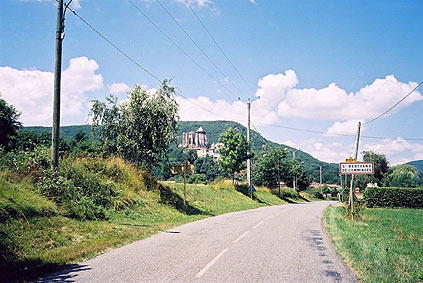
<point x="285" y="243"/>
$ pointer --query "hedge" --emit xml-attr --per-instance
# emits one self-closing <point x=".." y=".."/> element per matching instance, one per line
<point x="394" y="197"/>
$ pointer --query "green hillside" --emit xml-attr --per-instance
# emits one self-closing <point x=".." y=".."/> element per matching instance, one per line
<point x="418" y="164"/>
<point x="213" y="130"/>
<point x="68" y="132"/>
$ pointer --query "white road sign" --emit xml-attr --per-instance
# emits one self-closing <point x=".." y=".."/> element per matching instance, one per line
<point x="356" y="168"/>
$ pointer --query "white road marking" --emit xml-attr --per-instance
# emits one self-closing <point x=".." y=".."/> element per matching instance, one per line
<point x="267" y="218"/>
<point x="202" y="271"/>
<point x="240" y="237"/>
<point x="258" y="224"/>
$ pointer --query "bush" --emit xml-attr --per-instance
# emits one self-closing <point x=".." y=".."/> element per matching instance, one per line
<point x="394" y="197"/>
<point x="319" y="195"/>
<point x="286" y="193"/>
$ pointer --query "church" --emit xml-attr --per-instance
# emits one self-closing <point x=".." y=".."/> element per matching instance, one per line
<point x="198" y="141"/>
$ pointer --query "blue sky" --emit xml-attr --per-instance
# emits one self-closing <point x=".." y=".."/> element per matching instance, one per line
<point x="318" y="65"/>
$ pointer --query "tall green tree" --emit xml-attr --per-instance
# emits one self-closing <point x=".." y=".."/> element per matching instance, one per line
<point x="233" y="153"/>
<point x="381" y="167"/>
<point x="402" y="176"/>
<point x="9" y="125"/>
<point x="139" y="129"/>
<point x="265" y="169"/>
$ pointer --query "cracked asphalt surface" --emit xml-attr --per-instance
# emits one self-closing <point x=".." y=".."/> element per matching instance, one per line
<point x="285" y="243"/>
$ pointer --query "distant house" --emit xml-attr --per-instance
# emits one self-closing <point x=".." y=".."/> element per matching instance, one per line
<point x="198" y="141"/>
<point x="315" y="185"/>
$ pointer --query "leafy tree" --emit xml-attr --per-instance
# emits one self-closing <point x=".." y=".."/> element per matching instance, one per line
<point x="381" y="167"/>
<point x="265" y="169"/>
<point x="207" y="166"/>
<point x="139" y="129"/>
<point x="298" y="172"/>
<point x="325" y="190"/>
<point x="9" y="125"/>
<point x="402" y="176"/>
<point x="233" y="153"/>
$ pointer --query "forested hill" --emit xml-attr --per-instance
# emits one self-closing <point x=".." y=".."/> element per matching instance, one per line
<point x="418" y="164"/>
<point x="213" y="130"/>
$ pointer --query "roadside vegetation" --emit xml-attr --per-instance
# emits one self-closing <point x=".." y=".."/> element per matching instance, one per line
<point x="95" y="204"/>
<point x="104" y="194"/>
<point x="384" y="246"/>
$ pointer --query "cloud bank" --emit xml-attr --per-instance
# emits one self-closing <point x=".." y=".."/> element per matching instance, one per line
<point x="31" y="91"/>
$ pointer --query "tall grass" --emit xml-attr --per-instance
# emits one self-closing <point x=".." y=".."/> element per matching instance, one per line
<point x="385" y="246"/>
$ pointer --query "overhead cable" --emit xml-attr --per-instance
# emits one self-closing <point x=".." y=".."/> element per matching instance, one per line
<point x="114" y="46"/>
<point x="199" y="48"/>
<point x="218" y="46"/>
<point x="401" y="100"/>
<point x="216" y="114"/>
<point x="181" y="49"/>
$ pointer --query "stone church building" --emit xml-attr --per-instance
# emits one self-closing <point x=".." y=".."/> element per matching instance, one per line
<point x="198" y="141"/>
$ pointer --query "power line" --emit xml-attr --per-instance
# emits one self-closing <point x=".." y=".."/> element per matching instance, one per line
<point x="224" y="117"/>
<point x="114" y="46"/>
<point x="180" y="48"/>
<point x="198" y="47"/>
<point x="218" y="46"/>
<point x="401" y="100"/>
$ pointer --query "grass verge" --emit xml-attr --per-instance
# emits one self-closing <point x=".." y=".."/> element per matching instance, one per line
<point x="36" y="237"/>
<point x="385" y="246"/>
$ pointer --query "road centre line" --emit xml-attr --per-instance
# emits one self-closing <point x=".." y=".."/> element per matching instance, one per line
<point x="210" y="264"/>
<point x="258" y="224"/>
<point x="267" y="218"/>
<point x="240" y="237"/>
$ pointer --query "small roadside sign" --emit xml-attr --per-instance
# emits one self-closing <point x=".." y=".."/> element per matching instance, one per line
<point x="348" y="168"/>
<point x="185" y="168"/>
<point x="350" y="160"/>
<point x="179" y="169"/>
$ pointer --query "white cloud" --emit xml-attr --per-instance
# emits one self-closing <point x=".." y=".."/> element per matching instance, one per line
<point x="116" y="88"/>
<point x="199" y="3"/>
<point x="334" y="103"/>
<point x="31" y="91"/>
<point x="329" y="152"/>
<point x="418" y="156"/>
<point x="200" y="108"/>
<point x="253" y="1"/>
<point x="344" y="128"/>
<point x="394" y="146"/>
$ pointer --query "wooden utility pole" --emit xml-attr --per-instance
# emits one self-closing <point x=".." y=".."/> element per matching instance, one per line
<point x="250" y="187"/>
<point x="55" y="131"/>
<point x="279" y="178"/>
<point x="184" y="164"/>
<point x="352" y="176"/>
<point x="248" y="141"/>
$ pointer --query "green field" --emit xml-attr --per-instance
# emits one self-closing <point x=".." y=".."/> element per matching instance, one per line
<point x="385" y="246"/>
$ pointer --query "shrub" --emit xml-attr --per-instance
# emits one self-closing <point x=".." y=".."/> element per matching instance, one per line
<point x="319" y="195"/>
<point x="286" y="193"/>
<point x="394" y="197"/>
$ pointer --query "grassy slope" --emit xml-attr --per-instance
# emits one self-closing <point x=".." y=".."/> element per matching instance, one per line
<point x="36" y="238"/>
<point x="386" y="246"/>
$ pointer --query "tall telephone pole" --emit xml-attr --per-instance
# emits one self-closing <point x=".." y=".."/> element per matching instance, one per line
<point x="352" y="176"/>
<point x="55" y="131"/>
<point x="248" y="141"/>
